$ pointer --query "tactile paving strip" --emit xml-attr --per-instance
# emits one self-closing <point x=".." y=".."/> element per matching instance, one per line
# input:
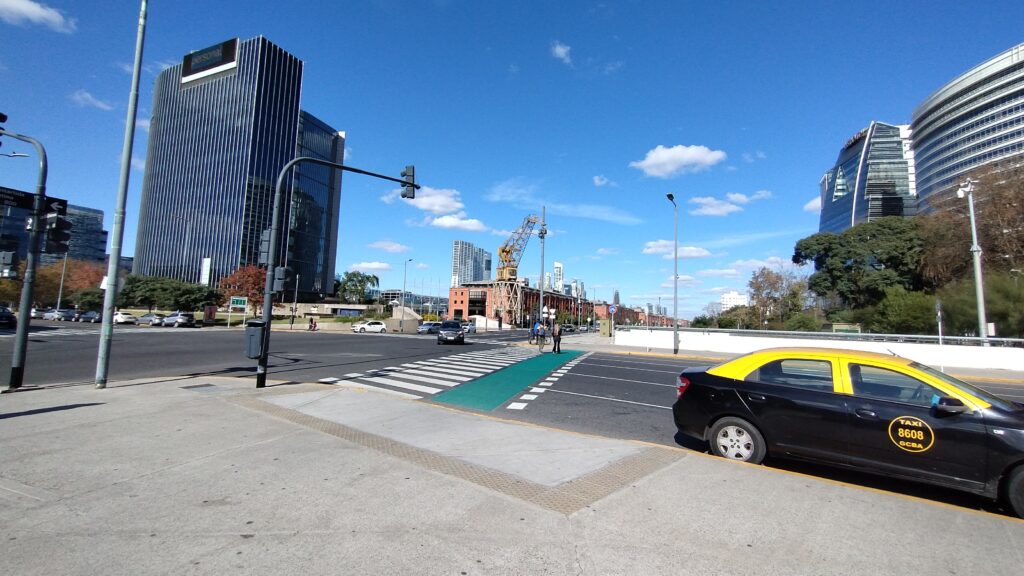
<point x="565" y="498"/>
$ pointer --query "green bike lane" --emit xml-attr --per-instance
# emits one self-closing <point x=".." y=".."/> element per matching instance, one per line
<point x="491" y="391"/>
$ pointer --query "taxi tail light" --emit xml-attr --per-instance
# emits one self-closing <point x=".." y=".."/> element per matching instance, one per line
<point x="684" y="385"/>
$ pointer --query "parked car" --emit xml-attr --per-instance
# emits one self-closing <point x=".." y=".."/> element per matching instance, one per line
<point x="38" y="312"/>
<point x="428" y="328"/>
<point x="59" y="315"/>
<point x="124" y="318"/>
<point x="370" y="326"/>
<point x="7" y="318"/>
<point x="584" y="328"/>
<point x="451" y="331"/>
<point x="179" y="319"/>
<point x="91" y="316"/>
<point x="469" y="327"/>
<point x="877" y="413"/>
<point x="568" y="328"/>
<point x="152" y="319"/>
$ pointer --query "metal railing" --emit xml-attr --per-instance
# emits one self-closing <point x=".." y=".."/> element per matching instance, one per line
<point x="846" y="336"/>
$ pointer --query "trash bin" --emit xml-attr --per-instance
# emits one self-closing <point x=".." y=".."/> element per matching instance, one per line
<point x="254" y="338"/>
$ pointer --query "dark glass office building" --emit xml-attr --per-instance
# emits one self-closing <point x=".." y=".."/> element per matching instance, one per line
<point x="873" y="177"/>
<point x="88" y="238"/>
<point x="225" y="122"/>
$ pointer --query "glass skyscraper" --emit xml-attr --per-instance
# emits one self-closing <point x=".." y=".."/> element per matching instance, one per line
<point x="225" y="122"/>
<point x="976" y="119"/>
<point x="88" y="238"/>
<point x="873" y="177"/>
<point x="469" y="263"/>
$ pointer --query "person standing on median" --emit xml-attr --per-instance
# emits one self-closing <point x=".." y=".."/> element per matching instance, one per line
<point x="556" y="335"/>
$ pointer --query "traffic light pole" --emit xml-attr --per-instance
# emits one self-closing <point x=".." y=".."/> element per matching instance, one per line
<point x="275" y="234"/>
<point x="25" y="306"/>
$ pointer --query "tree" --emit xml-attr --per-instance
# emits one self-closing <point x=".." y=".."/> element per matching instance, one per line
<point x="862" y="262"/>
<point x="248" y="281"/>
<point x="904" y="312"/>
<point x="352" y="286"/>
<point x="146" y="292"/>
<point x="803" y="322"/>
<point x="88" y="298"/>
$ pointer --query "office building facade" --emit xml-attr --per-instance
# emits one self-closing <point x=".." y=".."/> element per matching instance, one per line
<point x="225" y="122"/>
<point x="559" y="277"/>
<point x="469" y="263"/>
<point x="88" y="241"/>
<point x="975" y="120"/>
<point x="874" y="176"/>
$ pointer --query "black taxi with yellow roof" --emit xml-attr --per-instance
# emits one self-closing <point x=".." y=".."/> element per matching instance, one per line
<point x="874" y="412"/>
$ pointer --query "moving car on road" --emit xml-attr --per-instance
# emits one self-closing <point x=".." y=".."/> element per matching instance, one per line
<point x="59" y="315"/>
<point x="370" y="326"/>
<point x="451" y="331"/>
<point x="881" y="414"/>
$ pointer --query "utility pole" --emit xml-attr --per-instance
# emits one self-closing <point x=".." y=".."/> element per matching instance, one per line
<point x="541" y="234"/>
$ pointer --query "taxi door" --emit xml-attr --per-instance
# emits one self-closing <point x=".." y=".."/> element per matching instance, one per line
<point x="895" y="430"/>
<point x="795" y="401"/>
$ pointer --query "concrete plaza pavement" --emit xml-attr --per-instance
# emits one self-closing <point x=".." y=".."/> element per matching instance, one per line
<point x="212" y="476"/>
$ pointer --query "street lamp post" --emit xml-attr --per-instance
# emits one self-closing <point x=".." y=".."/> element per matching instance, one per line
<point x="967" y="188"/>
<point x="405" y="269"/>
<point x="675" y="273"/>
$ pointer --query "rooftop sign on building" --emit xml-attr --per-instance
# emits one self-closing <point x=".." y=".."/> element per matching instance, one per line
<point x="209" y="61"/>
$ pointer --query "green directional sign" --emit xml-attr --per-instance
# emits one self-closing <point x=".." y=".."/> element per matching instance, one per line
<point x="239" y="301"/>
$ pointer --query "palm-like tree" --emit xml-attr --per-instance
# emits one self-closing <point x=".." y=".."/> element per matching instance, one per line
<point x="352" y="286"/>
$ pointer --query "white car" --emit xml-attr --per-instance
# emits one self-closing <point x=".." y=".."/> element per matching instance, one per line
<point x="370" y="326"/>
<point x="124" y="318"/>
<point x="469" y="327"/>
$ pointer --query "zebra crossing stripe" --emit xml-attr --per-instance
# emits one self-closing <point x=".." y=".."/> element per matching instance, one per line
<point x="328" y="380"/>
<point x="400" y="384"/>
<point x="424" y="379"/>
<point x="436" y="374"/>
<point x="475" y="372"/>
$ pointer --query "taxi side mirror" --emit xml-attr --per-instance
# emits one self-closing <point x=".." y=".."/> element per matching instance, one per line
<point x="947" y="405"/>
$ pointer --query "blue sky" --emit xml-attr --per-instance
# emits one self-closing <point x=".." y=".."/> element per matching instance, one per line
<point x="594" y="109"/>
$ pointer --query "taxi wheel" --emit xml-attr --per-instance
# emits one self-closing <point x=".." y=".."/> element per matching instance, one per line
<point x="1015" y="491"/>
<point x="737" y="439"/>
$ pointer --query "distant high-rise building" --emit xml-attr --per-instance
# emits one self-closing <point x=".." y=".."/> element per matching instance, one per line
<point x="469" y="263"/>
<point x="873" y="177"/>
<point x="548" y="284"/>
<point x="615" y="297"/>
<point x="732" y="299"/>
<point x="88" y="238"/>
<point x="975" y="120"/>
<point x="225" y="122"/>
<point x="559" y="277"/>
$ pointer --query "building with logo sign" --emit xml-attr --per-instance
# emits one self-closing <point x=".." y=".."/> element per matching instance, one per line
<point x="873" y="177"/>
<point x="225" y="122"/>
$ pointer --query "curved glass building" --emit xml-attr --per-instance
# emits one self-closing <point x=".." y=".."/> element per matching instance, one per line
<point x="225" y="122"/>
<point x="873" y="177"/>
<point x="976" y="119"/>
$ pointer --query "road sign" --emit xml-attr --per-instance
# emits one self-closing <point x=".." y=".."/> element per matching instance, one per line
<point x="239" y="301"/>
<point x="612" y="309"/>
<point x="25" y="200"/>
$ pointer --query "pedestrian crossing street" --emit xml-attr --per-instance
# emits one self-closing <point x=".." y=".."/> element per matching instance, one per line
<point x="428" y="377"/>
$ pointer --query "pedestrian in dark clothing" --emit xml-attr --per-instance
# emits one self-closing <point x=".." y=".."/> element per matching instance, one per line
<point x="556" y="334"/>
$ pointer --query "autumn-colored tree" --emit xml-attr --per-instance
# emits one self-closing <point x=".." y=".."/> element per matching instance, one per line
<point x="248" y="281"/>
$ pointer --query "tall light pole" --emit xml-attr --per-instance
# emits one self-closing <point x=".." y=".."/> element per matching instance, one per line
<point x="405" y="269"/>
<point x="541" y="234"/>
<point x="675" y="273"/>
<point x="967" y="188"/>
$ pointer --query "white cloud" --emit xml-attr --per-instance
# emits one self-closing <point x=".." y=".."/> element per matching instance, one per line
<point x="600" y="181"/>
<point x="458" y="222"/>
<point x="422" y="266"/>
<point x="142" y="124"/>
<point x="772" y="262"/>
<point x="662" y="162"/>
<point x="524" y="196"/>
<point x="137" y="163"/>
<point x="751" y="158"/>
<point x="664" y="247"/>
<point x="389" y="246"/>
<point x="613" y="67"/>
<point x="719" y="273"/>
<point x="814" y="205"/>
<point x="712" y="206"/>
<point x="370" y="266"/>
<point x="83" y="98"/>
<point x="433" y="200"/>
<point x="684" y="280"/>
<point x="561" y="52"/>
<point x="607" y="251"/>
<point x="19" y="12"/>
<point x="737" y="198"/>
<point x="717" y="290"/>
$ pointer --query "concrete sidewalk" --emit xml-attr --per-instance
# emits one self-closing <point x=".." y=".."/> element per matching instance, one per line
<point x="211" y="476"/>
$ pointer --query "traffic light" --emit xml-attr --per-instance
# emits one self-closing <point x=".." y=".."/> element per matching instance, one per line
<point x="280" y="276"/>
<point x="265" y="247"/>
<point x="3" y="120"/>
<point x="409" y="188"/>
<point x="57" y="233"/>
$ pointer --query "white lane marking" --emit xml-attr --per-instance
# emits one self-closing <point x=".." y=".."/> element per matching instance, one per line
<point x="631" y="368"/>
<point x="353" y="375"/>
<point x="328" y="380"/>
<point x="517" y="406"/>
<point x="452" y="369"/>
<point x="423" y="379"/>
<point x="344" y="384"/>
<point x="546" y="383"/>
<point x="469" y="365"/>
<point x="535" y="390"/>
<point x="611" y="399"/>
<point x="551" y="379"/>
<point x="436" y="374"/>
<point x="624" y="380"/>
<point x="528" y="397"/>
<point x="406" y="385"/>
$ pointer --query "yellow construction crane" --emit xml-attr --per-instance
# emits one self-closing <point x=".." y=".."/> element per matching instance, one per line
<point x="511" y="251"/>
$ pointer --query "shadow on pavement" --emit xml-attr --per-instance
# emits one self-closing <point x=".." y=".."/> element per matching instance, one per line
<point x="50" y="409"/>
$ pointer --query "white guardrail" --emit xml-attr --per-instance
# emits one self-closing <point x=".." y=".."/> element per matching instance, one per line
<point x="1000" y="354"/>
